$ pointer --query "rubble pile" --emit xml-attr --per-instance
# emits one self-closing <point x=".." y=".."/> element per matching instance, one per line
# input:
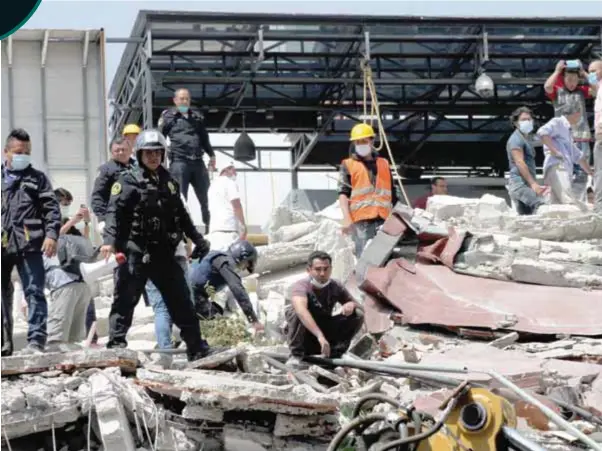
<point x="464" y="284"/>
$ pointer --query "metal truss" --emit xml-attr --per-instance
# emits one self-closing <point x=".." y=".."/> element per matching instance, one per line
<point x="300" y="74"/>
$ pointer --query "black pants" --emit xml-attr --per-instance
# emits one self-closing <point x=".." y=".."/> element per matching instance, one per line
<point x="193" y="172"/>
<point x="168" y="276"/>
<point x="339" y="330"/>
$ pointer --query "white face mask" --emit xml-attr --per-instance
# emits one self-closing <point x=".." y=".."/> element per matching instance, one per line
<point x="232" y="177"/>
<point x="363" y="149"/>
<point x="65" y="211"/>
<point x="319" y="285"/>
<point x="526" y="126"/>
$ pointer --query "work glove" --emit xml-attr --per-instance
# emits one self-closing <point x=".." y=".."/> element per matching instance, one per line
<point x="200" y="250"/>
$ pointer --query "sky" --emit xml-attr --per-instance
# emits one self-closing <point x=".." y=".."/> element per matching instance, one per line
<point x="118" y="17"/>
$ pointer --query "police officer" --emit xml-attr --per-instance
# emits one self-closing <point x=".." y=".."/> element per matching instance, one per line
<point x="121" y="160"/>
<point x="218" y="270"/>
<point x="31" y="221"/>
<point x="189" y="140"/>
<point x="146" y="220"/>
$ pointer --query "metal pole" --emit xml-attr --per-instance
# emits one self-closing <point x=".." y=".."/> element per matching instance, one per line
<point x="11" y="86"/>
<point x="552" y="416"/>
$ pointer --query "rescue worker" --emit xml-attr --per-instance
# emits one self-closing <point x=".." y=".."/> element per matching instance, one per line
<point x="130" y="133"/>
<point x="367" y="192"/>
<point x="146" y="220"/>
<point x="189" y="141"/>
<point x="218" y="270"/>
<point x="121" y="160"/>
<point x="31" y="220"/>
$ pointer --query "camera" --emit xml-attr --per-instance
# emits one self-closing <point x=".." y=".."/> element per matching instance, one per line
<point x="484" y="85"/>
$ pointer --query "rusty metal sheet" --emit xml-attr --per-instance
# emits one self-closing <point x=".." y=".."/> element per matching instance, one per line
<point x="434" y="294"/>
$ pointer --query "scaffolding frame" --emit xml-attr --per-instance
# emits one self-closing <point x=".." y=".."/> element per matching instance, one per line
<point x="300" y="74"/>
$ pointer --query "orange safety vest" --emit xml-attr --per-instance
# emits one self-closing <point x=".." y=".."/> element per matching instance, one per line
<point x="369" y="201"/>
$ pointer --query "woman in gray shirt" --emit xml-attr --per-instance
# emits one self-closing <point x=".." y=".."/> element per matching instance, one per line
<point x="523" y="189"/>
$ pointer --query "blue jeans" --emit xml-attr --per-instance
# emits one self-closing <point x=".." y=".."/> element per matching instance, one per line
<point x="364" y="231"/>
<point x="163" y="322"/>
<point x="30" y="267"/>
<point x="525" y="199"/>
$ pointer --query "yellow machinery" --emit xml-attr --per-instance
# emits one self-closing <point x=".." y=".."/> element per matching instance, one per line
<point x="475" y="422"/>
<point x="471" y="419"/>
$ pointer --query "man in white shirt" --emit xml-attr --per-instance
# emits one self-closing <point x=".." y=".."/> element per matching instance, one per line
<point x="227" y="218"/>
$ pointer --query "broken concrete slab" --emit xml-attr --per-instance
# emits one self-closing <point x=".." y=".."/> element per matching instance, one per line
<point x="279" y="256"/>
<point x="125" y="359"/>
<point x="215" y="360"/>
<point x="227" y="393"/>
<point x="113" y="423"/>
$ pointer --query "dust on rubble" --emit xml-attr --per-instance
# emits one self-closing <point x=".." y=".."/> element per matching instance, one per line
<point x="243" y="400"/>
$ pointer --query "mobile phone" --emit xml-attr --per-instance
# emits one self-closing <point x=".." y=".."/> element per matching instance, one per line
<point x="573" y="64"/>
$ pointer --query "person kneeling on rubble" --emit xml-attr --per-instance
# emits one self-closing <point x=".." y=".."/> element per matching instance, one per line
<point x="311" y="328"/>
<point x="218" y="270"/>
<point x="146" y="220"/>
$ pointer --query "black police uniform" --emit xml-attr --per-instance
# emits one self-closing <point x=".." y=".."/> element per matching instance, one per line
<point x="209" y="276"/>
<point x="189" y="140"/>
<point x="101" y="193"/>
<point x="30" y="213"/>
<point x="146" y="220"/>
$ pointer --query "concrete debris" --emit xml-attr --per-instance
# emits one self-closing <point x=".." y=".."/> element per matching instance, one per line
<point x="432" y="283"/>
<point x="126" y="359"/>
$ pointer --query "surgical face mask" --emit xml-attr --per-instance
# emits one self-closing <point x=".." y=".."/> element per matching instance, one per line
<point x="526" y="126"/>
<point x="183" y="109"/>
<point x="232" y="177"/>
<point x="20" y="162"/>
<point x="65" y="211"/>
<point x="319" y="285"/>
<point x="592" y="78"/>
<point x="363" y="149"/>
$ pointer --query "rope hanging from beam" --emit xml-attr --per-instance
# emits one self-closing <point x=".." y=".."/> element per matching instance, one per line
<point x="370" y="89"/>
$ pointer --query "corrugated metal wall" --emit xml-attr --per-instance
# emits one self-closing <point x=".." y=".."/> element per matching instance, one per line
<point x="53" y="86"/>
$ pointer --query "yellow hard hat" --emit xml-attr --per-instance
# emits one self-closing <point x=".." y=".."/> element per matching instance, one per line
<point x="361" y="131"/>
<point x="131" y="129"/>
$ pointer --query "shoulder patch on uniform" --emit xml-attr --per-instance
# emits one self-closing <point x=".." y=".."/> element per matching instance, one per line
<point x="172" y="187"/>
<point x="116" y="189"/>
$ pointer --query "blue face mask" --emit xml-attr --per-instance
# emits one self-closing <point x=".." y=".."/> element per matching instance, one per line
<point x="183" y="109"/>
<point x="20" y="162"/>
<point x="592" y="78"/>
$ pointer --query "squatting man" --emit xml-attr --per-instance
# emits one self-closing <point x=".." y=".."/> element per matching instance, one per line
<point x="311" y="327"/>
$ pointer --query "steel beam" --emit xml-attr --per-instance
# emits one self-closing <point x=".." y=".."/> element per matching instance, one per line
<point x="342" y="19"/>
<point x="210" y="80"/>
<point x="292" y="35"/>
<point x="375" y="54"/>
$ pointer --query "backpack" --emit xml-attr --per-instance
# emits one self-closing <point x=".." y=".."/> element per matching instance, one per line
<point x="72" y="250"/>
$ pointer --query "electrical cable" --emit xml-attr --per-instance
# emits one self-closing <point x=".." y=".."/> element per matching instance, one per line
<point x="422" y="435"/>
<point x="352" y="425"/>
<point x="373" y="397"/>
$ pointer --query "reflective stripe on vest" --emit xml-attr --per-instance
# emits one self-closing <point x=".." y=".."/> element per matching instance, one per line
<point x="369" y="201"/>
